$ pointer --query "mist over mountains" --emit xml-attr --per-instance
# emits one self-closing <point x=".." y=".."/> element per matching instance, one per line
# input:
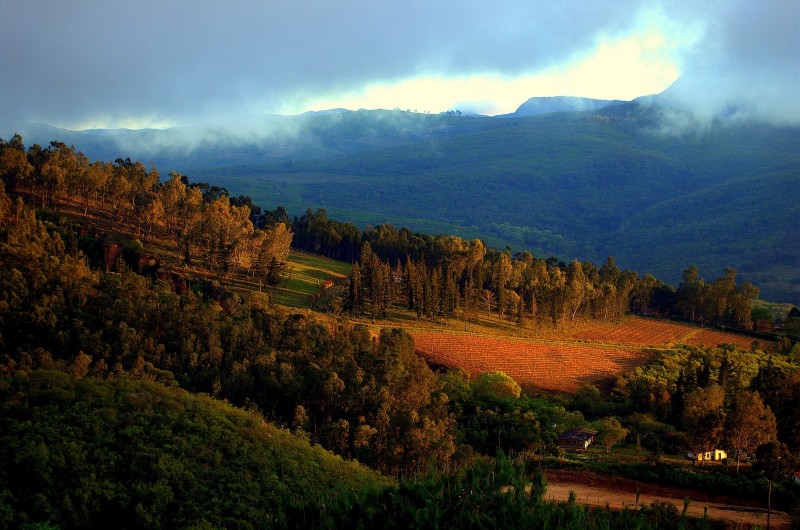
<point x="657" y="186"/>
<point x="544" y="105"/>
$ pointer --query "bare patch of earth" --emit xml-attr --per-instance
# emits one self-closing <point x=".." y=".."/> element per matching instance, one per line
<point x="618" y="493"/>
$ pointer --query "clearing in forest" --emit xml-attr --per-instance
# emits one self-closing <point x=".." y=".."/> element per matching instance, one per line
<point x="649" y="332"/>
<point x="547" y="365"/>
<point x="589" y="352"/>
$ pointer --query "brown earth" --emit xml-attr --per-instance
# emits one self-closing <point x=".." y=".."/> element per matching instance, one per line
<point x="543" y="364"/>
<point x="618" y="493"/>
<point x="584" y="352"/>
<point x="633" y="330"/>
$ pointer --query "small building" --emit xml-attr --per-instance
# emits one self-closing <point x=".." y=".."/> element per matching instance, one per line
<point x="796" y="477"/>
<point x="715" y="455"/>
<point x="579" y="439"/>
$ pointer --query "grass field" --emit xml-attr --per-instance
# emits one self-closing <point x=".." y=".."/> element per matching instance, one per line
<point x="306" y="275"/>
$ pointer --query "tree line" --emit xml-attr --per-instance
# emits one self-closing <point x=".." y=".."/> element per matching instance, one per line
<point x="463" y="277"/>
<point x="202" y="221"/>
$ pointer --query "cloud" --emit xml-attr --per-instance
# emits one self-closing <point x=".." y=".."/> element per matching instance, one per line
<point x="93" y="63"/>
<point x="747" y="63"/>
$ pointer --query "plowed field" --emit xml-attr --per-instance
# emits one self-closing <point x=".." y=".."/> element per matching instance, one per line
<point x="587" y="353"/>
<point x="643" y="331"/>
<point x="560" y="367"/>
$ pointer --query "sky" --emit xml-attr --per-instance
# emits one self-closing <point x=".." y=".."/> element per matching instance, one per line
<point x="154" y="64"/>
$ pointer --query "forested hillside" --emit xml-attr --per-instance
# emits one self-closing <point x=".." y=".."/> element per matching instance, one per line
<point x="127" y="453"/>
<point x="116" y="287"/>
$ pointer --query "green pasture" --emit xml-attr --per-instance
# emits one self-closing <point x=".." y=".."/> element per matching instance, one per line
<point x="305" y="276"/>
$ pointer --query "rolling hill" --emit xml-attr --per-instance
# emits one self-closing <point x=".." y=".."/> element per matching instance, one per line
<point x="128" y="453"/>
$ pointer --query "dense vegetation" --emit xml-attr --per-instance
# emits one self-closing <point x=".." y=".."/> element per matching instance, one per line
<point x="126" y="341"/>
<point x="128" y="453"/>
<point x="445" y="276"/>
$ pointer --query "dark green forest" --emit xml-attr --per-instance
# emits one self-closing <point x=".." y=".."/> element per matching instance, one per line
<point x="127" y="399"/>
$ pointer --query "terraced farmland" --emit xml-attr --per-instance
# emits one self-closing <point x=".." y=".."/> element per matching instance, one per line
<point x="644" y="331"/>
<point x="587" y="353"/>
<point x="551" y="366"/>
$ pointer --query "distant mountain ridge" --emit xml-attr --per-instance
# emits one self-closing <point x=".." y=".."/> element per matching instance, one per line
<point x="617" y="178"/>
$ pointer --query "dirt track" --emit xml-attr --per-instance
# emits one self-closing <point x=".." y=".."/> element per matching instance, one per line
<point x="735" y="515"/>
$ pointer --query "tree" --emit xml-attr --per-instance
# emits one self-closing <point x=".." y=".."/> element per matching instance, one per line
<point x="742" y="303"/>
<point x="610" y="432"/>
<point x="487" y="297"/>
<point x="59" y="167"/>
<point x="501" y="274"/>
<point x="775" y="461"/>
<point x="690" y="293"/>
<point x="172" y="193"/>
<point x="355" y="298"/>
<point x="495" y="385"/>
<point x="93" y="179"/>
<point x="576" y="289"/>
<point x="750" y="424"/>
<point x="643" y="294"/>
<point x="792" y="325"/>
<point x="719" y="295"/>
<point x="14" y="165"/>
<point x="586" y="399"/>
<point x="556" y="288"/>
<point x="704" y="417"/>
<point x="761" y="315"/>
<point x="470" y="305"/>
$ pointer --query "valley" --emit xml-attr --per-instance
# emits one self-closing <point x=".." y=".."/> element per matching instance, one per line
<point x="370" y="265"/>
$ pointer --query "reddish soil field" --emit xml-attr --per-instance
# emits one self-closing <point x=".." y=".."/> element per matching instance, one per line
<point x="645" y="331"/>
<point x="587" y="352"/>
<point x="560" y="367"/>
<point x="597" y="490"/>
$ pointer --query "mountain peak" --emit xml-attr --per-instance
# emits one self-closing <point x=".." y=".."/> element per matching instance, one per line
<point x="545" y="105"/>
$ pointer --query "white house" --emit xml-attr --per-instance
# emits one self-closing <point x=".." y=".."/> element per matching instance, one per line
<point x="715" y="456"/>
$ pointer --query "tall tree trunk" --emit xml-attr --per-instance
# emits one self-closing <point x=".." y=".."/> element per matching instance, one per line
<point x="769" y="503"/>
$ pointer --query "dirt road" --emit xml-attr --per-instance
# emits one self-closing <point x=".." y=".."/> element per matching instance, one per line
<point x="598" y="496"/>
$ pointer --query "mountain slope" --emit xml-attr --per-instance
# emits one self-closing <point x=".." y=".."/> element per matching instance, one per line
<point x="585" y="185"/>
